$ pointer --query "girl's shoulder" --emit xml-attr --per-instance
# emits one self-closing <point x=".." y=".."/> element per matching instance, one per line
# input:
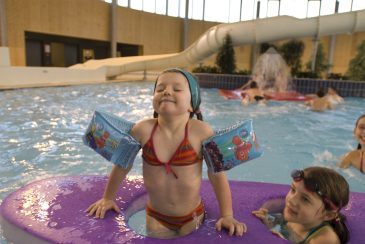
<point x="349" y="158"/>
<point x="142" y="128"/>
<point x="201" y="128"/>
<point x="325" y="235"/>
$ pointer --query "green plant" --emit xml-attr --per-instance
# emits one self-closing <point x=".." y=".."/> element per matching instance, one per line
<point x="265" y="46"/>
<point x="321" y="62"/>
<point x="356" y="69"/>
<point x="226" y="60"/>
<point x="206" y="69"/>
<point x="292" y="51"/>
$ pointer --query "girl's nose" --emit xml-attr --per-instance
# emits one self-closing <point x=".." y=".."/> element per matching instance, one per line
<point x="166" y="92"/>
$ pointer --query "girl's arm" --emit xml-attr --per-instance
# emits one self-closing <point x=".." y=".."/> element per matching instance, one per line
<point x="346" y="161"/>
<point x="224" y="198"/>
<point x="100" y="207"/>
<point x="116" y="176"/>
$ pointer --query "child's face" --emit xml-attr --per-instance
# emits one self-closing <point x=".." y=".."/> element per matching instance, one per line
<point x="172" y="95"/>
<point x="359" y="131"/>
<point x="303" y="206"/>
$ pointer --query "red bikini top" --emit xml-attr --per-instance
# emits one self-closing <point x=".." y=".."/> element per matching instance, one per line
<point x="184" y="154"/>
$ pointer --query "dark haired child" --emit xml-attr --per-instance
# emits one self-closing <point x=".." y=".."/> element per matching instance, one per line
<point x="356" y="158"/>
<point x="312" y="208"/>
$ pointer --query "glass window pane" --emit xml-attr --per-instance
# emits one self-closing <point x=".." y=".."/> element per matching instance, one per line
<point x="344" y="6"/>
<point x="161" y="6"/>
<point x="123" y="3"/>
<point x="182" y="8"/>
<point x="295" y="8"/>
<point x="247" y="9"/>
<point x="216" y="10"/>
<point x="173" y="9"/>
<point x="358" y="5"/>
<point x="273" y="8"/>
<point x="234" y="11"/>
<point x="137" y="4"/>
<point x="328" y="7"/>
<point x="149" y="6"/>
<point x="196" y="9"/>
<point x="313" y="8"/>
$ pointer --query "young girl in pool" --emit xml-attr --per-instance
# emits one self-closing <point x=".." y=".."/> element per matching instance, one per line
<point x="172" y="163"/>
<point x="356" y="157"/>
<point x="312" y="208"/>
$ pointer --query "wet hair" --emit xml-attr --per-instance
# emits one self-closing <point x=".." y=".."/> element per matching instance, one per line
<point x="334" y="187"/>
<point x="357" y="122"/>
<point x="320" y="93"/>
<point x="196" y="111"/>
<point x="253" y="84"/>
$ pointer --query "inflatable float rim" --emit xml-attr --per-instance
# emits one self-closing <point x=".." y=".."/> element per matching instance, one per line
<point x="89" y="188"/>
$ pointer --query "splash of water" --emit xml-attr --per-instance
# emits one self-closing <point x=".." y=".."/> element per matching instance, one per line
<point x="271" y="72"/>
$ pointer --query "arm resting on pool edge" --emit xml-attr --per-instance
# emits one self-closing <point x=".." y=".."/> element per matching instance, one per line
<point x="224" y="198"/>
<point x="346" y="160"/>
<point x="107" y="202"/>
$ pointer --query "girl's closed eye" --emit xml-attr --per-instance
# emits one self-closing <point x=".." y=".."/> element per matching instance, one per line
<point x="305" y="199"/>
<point x="292" y="189"/>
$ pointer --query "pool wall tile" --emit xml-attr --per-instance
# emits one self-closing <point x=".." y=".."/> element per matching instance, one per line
<point x="346" y="88"/>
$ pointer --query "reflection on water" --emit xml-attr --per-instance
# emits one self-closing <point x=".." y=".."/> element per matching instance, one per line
<point x="41" y="129"/>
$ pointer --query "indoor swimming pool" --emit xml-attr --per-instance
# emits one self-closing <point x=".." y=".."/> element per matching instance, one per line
<point x="41" y="130"/>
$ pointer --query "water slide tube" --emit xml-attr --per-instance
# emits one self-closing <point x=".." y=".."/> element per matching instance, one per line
<point x="245" y="32"/>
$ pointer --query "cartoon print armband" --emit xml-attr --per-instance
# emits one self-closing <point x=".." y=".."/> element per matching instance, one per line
<point x="109" y="136"/>
<point x="231" y="146"/>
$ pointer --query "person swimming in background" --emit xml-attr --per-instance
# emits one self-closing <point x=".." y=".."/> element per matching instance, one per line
<point x="356" y="158"/>
<point x="312" y="208"/>
<point x="172" y="163"/>
<point x="333" y="97"/>
<point x="253" y="94"/>
<point x="320" y="103"/>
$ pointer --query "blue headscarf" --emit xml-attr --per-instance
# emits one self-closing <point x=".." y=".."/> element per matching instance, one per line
<point x="193" y="86"/>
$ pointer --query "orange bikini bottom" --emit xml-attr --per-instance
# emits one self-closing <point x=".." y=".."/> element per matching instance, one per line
<point x="175" y="222"/>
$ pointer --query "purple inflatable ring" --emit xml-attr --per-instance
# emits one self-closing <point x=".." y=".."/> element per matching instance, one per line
<point x="53" y="211"/>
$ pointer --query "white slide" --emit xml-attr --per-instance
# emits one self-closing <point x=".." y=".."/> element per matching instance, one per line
<point x="245" y="32"/>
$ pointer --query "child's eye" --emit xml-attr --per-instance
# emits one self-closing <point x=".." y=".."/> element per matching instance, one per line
<point x="305" y="199"/>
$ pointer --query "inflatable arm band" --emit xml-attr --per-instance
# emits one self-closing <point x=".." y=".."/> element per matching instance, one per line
<point x="109" y="136"/>
<point x="231" y="146"/>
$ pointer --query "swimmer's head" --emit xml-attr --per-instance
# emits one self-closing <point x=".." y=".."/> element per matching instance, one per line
<point x="253" y="84"/>
<point x="320" y="93"/>
<point x="193" y="87"/>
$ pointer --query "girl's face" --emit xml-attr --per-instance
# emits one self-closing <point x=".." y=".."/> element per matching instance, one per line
<point x="303" y="207"/>
<point x="172" y="95"/>
<point x="359" y="131"/>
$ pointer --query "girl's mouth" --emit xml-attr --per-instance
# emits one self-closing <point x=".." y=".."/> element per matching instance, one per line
<point x="291" y="211"/>
<point x="167" y="101"/>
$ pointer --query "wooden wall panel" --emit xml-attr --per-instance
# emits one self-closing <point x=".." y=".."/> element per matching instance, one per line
<point x="157" y="34"/>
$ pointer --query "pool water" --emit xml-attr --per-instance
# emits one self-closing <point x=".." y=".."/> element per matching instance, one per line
<point x="41" y="130"/>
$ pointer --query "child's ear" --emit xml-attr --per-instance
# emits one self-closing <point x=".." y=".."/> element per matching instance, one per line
<point x="330" y="215"/>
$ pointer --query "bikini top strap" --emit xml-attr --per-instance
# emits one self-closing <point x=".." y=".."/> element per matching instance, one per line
<point x="153" y="130"/>
<point x="186" y="131"/>
<point x="313" y="231"/>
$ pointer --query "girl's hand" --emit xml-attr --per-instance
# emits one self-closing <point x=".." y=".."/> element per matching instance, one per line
<point x="261" y="213"/>
<point x="100" y="207"/>
<point x="232" y="225"/>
